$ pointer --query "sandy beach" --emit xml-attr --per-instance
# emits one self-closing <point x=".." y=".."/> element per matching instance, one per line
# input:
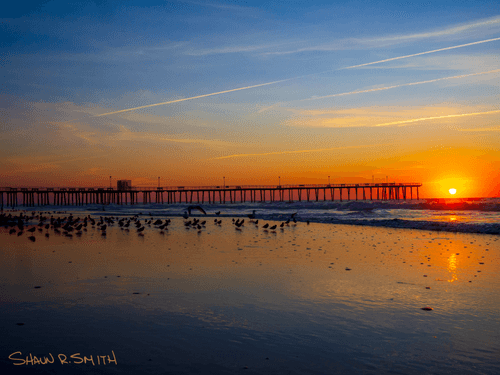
<point x="305" y="299"/>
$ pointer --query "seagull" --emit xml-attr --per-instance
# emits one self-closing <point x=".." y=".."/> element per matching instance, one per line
<point x="185" y="215"/>
<point x="273" y="227"/>
<point x="252" y="215"/>
<point x="266" y="226"/>
<point x="217" y="213"/>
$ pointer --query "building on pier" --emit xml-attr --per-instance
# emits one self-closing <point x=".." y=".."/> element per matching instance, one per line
<point x="124" y="185"/>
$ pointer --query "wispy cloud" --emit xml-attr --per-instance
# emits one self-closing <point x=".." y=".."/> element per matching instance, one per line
<point x="192" y="98"/>
<point x="289" y="79"/>
<point x="296" y="151"/>
<point x="123" y="134"/>
<point x="437" y="118"/>
<point x="485" y="23"/>
<point x="488" y="25"/>
<point x="268" y="107"/>
<point x="402" y="85"/>
<point x="421" y="53"/>
<point x="373" y="117"/>
<point x="233" y="49"/>
<point x="126" y="135"/>
<point x="460" y="62"/>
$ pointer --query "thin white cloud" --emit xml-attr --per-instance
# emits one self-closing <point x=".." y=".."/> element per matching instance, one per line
<point x="296" y="151"/>
<point x="402" y="85"/>
<point x="289" y="79"/>
<point x="422" y="53"/>
<point x="489" y="22"/>
<point x="488" y="25"/>
<point x="191" y="98"/>
<point x="436" y="118"/>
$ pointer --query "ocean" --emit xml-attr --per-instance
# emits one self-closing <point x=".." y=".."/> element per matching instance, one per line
<point x="474" y="215"/>
<point x="220" y="299"/>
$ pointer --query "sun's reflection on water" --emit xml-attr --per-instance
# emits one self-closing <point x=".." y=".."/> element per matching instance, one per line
<point x="452" y="267"/>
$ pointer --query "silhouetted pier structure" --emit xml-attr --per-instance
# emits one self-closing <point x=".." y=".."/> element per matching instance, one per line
<point x="206" y="194"/>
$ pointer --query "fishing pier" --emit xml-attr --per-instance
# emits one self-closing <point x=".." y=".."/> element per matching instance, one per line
<point x="14" y="196"/>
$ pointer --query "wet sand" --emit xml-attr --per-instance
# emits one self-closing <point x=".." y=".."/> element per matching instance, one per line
<point x="308" y="299"/>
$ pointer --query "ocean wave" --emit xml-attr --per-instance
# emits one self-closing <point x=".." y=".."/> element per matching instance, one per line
<point x="484" y="228"/>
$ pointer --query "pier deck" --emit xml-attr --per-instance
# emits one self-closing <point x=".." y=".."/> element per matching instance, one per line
<point x="14" y="196"/>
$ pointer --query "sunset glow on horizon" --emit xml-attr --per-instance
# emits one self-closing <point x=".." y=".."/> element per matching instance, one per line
<point x="192" y="92"/>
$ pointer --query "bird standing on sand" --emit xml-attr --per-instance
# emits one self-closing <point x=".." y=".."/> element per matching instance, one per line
<point x="252" y="215"/>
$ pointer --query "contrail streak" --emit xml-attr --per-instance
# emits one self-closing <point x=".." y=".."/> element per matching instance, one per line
<point x="296" y="151"/>
<point x="421" y="53"/>
<point x="289" y="79"/>
<point x="402" y="85"/>
<point x="193" y="97"/>
<point x="437" y="118"/>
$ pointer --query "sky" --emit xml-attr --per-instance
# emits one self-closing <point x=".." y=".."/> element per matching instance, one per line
<point x="255" y="92"/>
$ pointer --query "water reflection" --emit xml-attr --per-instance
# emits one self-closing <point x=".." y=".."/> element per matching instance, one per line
<point x="452" y="267"/>
<point x="311" y="286"/>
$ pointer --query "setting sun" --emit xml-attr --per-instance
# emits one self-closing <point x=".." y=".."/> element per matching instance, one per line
<point x="452" y="191"/>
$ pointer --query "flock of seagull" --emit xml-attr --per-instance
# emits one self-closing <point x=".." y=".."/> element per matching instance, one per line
<point x="70" y="226"/>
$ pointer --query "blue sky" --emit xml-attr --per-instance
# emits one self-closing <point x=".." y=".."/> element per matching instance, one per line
<point x="64" y="63"/>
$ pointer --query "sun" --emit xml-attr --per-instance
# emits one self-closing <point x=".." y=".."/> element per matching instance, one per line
<point x="453" y="191"/>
